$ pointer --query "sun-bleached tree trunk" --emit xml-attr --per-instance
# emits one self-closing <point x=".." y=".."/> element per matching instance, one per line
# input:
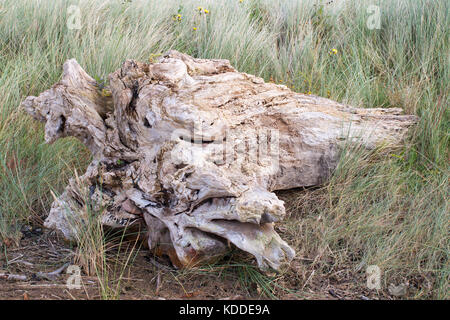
<point x="193" y="150"/>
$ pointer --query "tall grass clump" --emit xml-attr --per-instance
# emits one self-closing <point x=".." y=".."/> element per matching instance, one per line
<point x="388" y="208"/>
<point x="105" y="254"/>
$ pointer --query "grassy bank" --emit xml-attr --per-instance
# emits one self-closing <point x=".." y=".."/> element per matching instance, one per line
<point x="388" y="209"/>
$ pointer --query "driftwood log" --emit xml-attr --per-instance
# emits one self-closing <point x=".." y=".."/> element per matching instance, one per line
<point x="193" y="150"/>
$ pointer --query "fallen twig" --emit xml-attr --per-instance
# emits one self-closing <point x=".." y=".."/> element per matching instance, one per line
<point x="42" y="285"/>
<point x="11" y="276"/>
<point x="14" y="259"/>
<point x="236" y="297"/>
<point x="158" y="283"/>
<point x="51" y="275"/>
<point x="22" y="262"/>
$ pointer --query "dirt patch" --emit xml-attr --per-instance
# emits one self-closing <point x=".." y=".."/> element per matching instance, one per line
<point x="152" y="277"/>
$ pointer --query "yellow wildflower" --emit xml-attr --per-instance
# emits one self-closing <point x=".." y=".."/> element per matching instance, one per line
<point x="202" y="10"/>
<point x="333" y="51"/>
<point x="194" y="28"/>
